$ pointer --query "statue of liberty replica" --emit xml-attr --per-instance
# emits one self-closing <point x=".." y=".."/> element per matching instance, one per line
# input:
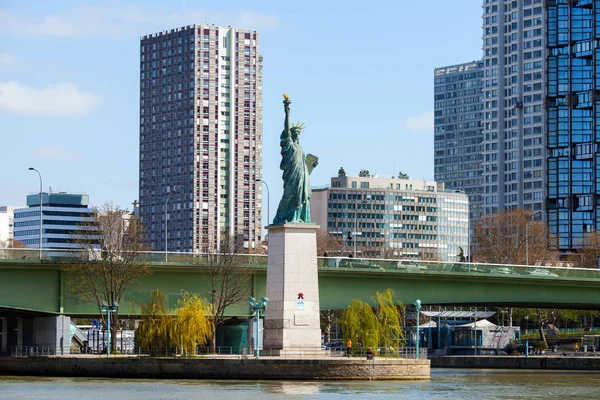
<point x="294" y="206"/>
<point x="291" y="321"/>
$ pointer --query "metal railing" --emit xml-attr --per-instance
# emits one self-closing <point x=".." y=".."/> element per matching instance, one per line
<point x="30" y="351"/>
<point x="407" y="266"/>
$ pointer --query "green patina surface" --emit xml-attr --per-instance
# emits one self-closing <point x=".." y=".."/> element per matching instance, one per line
<point x="36" y="286"/>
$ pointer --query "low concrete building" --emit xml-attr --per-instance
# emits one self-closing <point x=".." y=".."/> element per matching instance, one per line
<point x="403" y="218"/>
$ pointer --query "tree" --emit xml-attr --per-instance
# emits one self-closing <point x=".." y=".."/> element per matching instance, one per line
<point x="192" y="325"/>
<point x="189" y="327"/>
<point x="229" y="280"/>
<point x="589" y="252"/>
<point x="364" y="173"/>
<point x="509" y="237"/>
<point x="328" y="243"/>
<point x="373" y="326"/>
<point x="360" y="324"/>
<point x="402" y="175"/>
<point x="152" y="333"/>
<point x="389" y="317"/>
<point x="341" y="172"/>
<point x="108" y="260"/>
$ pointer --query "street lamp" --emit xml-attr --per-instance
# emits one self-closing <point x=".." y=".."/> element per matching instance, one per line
<point x="40" y="175"/>
<point x="268" y="199"/>
<point x="166" y="225"/>
<point x="257" y="307"/>
<point x="108" y="310"/>
<point x="356" y="225"/>
<point x="527" y="236"/>
<point x="418" y="308"/>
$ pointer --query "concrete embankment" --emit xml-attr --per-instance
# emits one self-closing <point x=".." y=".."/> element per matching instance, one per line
<point x="517" y="362"/>
<point x="215" y="368"/>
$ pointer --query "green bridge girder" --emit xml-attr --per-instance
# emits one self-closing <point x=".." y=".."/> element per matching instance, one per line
<point x="40" y="287"/>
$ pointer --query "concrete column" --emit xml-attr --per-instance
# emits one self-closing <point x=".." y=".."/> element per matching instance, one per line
<point x="3" y="336"/>
<point x="19" y="331"/>
<point x="292" y="316"/>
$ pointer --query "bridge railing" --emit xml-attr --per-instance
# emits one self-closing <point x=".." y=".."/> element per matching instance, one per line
<point x="456" y="268"/>
<point x="402" y="266"/>
<point x="155" y="258"/>
<point x="30" y="351"/>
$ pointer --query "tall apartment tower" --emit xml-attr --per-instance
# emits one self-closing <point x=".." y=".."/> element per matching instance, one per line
<point x="458" y="135"/>
<point x="200" y="137"/>
<point x="573" y="126"/>
<point x="514" y="173"/>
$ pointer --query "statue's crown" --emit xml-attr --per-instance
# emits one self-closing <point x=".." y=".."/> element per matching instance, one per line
<point x="298" y="125"/>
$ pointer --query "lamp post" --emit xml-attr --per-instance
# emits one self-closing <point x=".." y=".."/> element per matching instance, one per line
<point x="268" y="200"/>
<point x="108" y="310"/>
<point x="418" y="308"/>
<point x="527" y="236"/>
<point x="40" y="175"/>
<point x="356" y="225"/>
<point x="166" y="226"/>
<point x="257" y="307"/>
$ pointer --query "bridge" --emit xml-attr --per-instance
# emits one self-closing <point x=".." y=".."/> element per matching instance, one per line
<point x="33" y="286"/>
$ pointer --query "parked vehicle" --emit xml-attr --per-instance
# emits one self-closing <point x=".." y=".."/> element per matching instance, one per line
<point x="409" y="266"/>
<point x="515" y="347"/>
<point x="501" y="271"/>
<point x="541" y="273"/>
<point x="358" y="263"/>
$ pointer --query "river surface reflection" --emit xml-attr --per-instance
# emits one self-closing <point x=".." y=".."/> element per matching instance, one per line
<point x="444" y="384"/>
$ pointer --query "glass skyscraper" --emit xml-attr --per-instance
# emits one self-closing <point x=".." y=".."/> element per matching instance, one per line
<point x="573" y="114"/>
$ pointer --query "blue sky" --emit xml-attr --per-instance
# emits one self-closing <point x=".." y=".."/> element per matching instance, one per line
<point x="360" y="75"/>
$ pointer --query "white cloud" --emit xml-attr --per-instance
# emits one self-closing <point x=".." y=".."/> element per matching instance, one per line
<point x="117" y="20"/>
<point x="7" y="59"/>
<point x="55" y="152"/>
<point x="419" y="122"/>
<point x="63" y="99"/>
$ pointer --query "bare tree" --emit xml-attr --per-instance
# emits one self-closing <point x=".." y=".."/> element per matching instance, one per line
<point x="590" y="252"/>
<point x="513" y="237"/>
<point x="229" y="279"/>
<point x="108" y="261"/>
<point x="328" y="243"/>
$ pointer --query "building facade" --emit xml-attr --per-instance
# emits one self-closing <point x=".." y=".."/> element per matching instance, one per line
<point x="394" y="217"/>
<point x="7" y="224"/>
<point x="200" y="137"/>
<point x="62" y="214"/>
<point x="573" y="126"/>
<point x="458" y="151"/>
<point x="514" y="141"/>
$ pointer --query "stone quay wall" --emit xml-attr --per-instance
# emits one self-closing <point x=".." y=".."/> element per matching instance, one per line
<point x="214" y="368"/>
<point x="517" y="362"/>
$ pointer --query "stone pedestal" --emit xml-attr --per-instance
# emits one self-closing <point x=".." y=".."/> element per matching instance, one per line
<point x="292" y="317"/>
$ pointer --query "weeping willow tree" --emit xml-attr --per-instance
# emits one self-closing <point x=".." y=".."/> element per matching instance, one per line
<point x="371" y="326"/>
<point x="389" y="319"/>
<point x="190" y="326"/>
<point x="360" y="324"/>
<point x="193" y="325"/>
<point x="153" y="331"/>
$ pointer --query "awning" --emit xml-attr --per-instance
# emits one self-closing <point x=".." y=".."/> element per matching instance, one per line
<point x="459" y="314"/>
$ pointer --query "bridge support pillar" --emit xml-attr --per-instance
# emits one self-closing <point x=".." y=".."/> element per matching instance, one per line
<point x="3" y="336"/>
<point x="292" y="316"/>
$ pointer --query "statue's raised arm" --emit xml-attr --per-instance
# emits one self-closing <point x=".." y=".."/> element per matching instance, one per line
<point x="294" y="206"/>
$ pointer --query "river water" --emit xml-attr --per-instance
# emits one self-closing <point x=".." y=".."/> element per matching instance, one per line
<point x="444" y="384"/>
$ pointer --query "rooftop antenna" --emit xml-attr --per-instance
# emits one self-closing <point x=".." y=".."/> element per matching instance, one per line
<point x="206" y="20"/>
